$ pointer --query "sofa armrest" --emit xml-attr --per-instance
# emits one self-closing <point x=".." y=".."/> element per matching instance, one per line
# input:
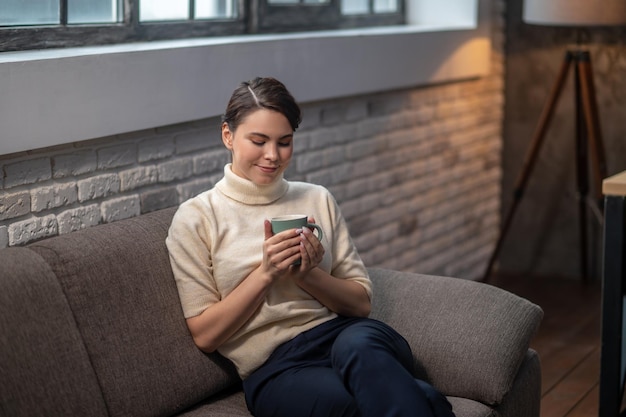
<point x="468" y="338"/>
<point x="524" y="400"/>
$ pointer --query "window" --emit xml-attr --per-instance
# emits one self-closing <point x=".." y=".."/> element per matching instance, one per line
<point x="365" y="7"/>
<point x="294" y="15"/>
<point x="47" y="12"/>
<point x="164" y="10"/>
<point x="40" y="24"/>
<point x="113" y="80"/>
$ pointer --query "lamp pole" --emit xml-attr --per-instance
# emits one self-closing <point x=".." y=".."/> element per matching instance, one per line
<point x="587" y="136"/>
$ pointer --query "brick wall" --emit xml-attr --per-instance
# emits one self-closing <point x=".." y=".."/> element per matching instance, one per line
<point x="416" y="172"/>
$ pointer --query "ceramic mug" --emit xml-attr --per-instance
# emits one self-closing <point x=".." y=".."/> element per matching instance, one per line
<point x="294" y="221"/>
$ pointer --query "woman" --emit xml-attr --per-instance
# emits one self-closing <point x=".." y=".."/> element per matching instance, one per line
<point x="298" y="335"/>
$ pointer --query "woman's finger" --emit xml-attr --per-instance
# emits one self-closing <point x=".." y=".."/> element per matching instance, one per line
<point x="312" y="249"/>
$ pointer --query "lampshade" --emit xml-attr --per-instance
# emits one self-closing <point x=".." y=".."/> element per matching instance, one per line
<point x="575" y="12"/>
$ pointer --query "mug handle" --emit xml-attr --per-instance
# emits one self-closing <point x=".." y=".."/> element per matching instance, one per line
<point x="320" y="234"/>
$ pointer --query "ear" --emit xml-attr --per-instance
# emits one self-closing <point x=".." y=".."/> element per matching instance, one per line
<point x="227" y="136"/>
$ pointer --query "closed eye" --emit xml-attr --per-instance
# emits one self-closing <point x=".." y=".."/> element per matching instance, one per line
<point x="281" y="144"/>
<point x="260" y="139"/>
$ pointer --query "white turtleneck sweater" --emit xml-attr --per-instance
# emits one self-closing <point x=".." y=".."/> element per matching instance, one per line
<point x="216" y="240"/>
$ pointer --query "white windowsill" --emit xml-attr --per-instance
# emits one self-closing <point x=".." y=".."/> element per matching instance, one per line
<point x="61" y="96"/>
<point x="38" y="55"/>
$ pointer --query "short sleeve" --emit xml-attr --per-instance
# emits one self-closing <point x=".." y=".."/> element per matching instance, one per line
<point x="188" y="243"/>
<point x="347" y="262"/>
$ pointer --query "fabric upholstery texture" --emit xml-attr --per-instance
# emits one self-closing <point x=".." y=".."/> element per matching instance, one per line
<point x="232" y="404"/>
<point x="40" y="345"/>
<point x="119" y="285"/>
<point x="462" y="407"/>
<point x="469" y="346"/>
<point x="521" y="401"/>
<point x="91" y="325"/>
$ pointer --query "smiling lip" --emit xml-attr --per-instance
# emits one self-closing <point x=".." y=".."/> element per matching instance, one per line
<point x="268" y="169"/>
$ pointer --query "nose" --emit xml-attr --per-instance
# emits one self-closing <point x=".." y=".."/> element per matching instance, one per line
<point x="271" y="151"/>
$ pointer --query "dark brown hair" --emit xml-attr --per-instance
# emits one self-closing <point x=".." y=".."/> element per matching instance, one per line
<point x="261" y="93"/>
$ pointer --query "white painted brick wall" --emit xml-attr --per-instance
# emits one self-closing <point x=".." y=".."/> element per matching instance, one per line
<point x="192" y="188"/>
<point x="412" y="185"/>
<point x="194" y="140"/>
<point x="54" y="195"/>
<point x="120" y="208"/>
<point x="158" y="198"/>
<point x="78" y="218"/>
<point x="152" y="149"/>
<point x="116" y="156"/>
<point x="318" y="159"/>
<point x="138" y="177"/>
<point x="176" y="169"/>
<point x="210" y="161"/>
<point x="27" y="172"/>
<point x="74" y="164"/>
<point x="99" y="186"/>
<point x="31" y="229"/>
<point x="329" y="176"/>
<point x="14" y="204"/>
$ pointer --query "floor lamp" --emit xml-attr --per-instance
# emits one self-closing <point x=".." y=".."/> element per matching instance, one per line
<point x="578" y="14"/>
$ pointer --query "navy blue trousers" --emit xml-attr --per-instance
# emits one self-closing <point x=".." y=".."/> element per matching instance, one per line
<point x="346" y="367"/>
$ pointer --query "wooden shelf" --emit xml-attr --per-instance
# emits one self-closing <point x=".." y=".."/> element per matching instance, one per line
<point x="615" y="185"/>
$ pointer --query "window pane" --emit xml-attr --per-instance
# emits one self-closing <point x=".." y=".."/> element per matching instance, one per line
<point x="385" y="6"/>
<point x="298" y="1"/>
<point x="29" y="12"/>
<point x="212" y="9"/>
<point x="163" y="10"/>
<point x="92" y="11"/>
<point x="355" y="6"/>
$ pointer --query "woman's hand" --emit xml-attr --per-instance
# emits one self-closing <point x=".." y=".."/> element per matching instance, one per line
<point x="280" y="251"/>
<point x="342" y="296"/>
<point x="311" y="249"/>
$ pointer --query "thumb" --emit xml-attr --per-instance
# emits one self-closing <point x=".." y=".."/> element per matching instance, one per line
<point x="268" y="229"/>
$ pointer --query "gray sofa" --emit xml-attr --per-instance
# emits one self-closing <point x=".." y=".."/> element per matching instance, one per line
<point x="90" y="325"/>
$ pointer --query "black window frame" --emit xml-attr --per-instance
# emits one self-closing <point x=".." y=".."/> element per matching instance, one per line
<point x="272" y="18"/>
<point x="254" y="17"/>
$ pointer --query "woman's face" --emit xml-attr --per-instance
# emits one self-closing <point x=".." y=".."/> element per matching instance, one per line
<point x="261" y="146"/>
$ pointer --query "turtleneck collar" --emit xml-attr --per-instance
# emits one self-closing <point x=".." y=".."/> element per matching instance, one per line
<point x="245" y="191"/>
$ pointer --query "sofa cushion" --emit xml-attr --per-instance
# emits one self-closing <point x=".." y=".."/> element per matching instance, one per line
<point x="468" y="338"/>
<point x="234" y="405"/>
<point x="44" y="367"/>
<point x="120" y="287"/>
<point x="230" y="404"/>
<point x="462" y="407"/>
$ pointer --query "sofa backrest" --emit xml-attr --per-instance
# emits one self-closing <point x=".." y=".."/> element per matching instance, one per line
<point x="120" y="290"/>
<point x="44" y="366"/>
